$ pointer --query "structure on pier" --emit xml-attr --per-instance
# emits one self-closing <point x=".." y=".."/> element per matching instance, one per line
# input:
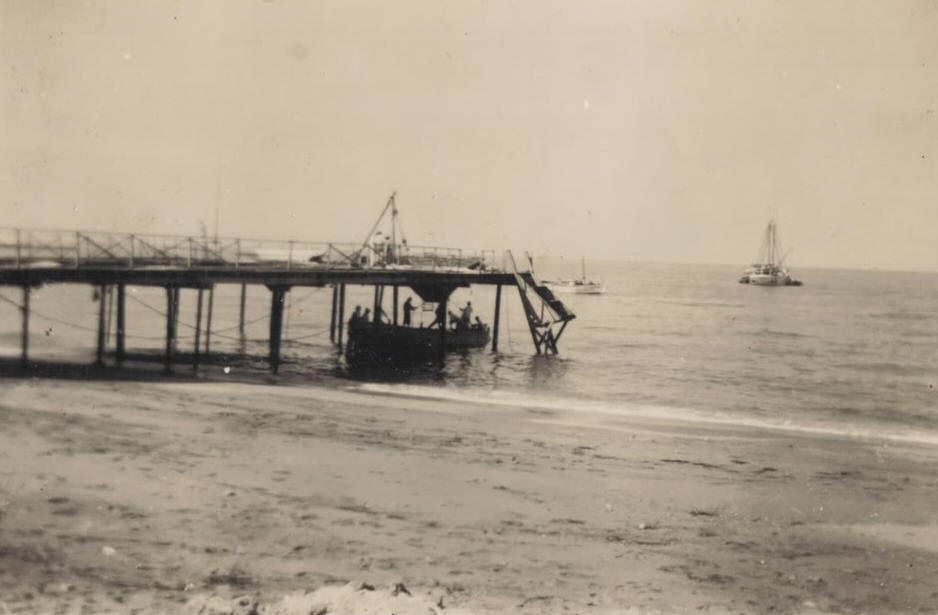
<point x="110" y="262"/>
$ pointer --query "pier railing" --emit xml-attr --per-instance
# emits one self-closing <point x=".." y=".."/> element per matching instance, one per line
<point x="29" y="248"/>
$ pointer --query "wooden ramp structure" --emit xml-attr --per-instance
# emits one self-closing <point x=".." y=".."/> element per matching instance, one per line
<point x="111" y="261"/>
<point x="547" y="316"/>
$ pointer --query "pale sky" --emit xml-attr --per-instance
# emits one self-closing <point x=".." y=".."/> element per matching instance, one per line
<point x="642" y="130"/>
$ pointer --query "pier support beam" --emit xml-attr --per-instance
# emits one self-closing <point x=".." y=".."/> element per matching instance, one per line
<point x="444" y="316"/>
<point x="376" y="316"/>
<point x="102" y="306"/>
<point x="172" y="301"/>
<point x="335" y="305"/>
<point x="244" y="291"/>
<point x="120" y="350"/>
<point x="198" y="331"/>
<point x="208" y="322"/>
<point x="395" y="304"/>
<point x="175" y="317"/>
<point x="110" y="315"/>
<point x="277" y="294"/>
<point x="24" y="359"/>
<point x="498" y="307"/>
<point x="340" y="320"/>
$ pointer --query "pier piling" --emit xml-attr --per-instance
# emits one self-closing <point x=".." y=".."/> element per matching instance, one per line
<point x="110" y="315"/>
<point x="276" y="325"/>
<point x="340" y="321"/>
<point x="498" y="306"/>
<point x="121" y="325"/>
<point x="102" y="306"/>
<point x="444" y="315"/>
<point x="335" y="299"/>
<point x="198" y="331"/>
<point x="244" y="290"/>
<point x="24" y="360"/>
<point x="395" y="304"/>
<point x="208" y="321"/>
<point x="175" y="316"/>
<point x="171" y="302"/>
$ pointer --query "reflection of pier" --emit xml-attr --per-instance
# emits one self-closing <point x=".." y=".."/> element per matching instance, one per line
<point x="29" y="259"/>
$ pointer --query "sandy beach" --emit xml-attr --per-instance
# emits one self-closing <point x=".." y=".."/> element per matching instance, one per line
<point x="212" y="497"/>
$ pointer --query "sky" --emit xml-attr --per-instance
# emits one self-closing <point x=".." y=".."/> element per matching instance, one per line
<point x="624" y="130"/>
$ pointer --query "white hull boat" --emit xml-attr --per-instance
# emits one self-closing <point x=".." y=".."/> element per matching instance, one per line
<point x="580" y="286"/>
<point x="770" y="270"/>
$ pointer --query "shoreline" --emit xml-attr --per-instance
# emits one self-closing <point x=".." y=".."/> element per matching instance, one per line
<point x="186" y="496"/>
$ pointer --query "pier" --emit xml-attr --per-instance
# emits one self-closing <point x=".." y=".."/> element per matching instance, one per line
<point x="110" y="262"/>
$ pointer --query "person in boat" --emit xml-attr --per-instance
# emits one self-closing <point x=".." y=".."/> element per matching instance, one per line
<point x="454" y="321"/>
<point x="356" y="316"/>
<point x="440" y="314"/>
<point x="408" y="308"/>
<point x="477" y="324"/>
<point x="465" y="316"/>
<point x="366" y="317"/>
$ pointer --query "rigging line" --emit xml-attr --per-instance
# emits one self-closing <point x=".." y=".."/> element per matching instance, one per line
<point x="249" y="322"/>
<point x="49" y="318"/>
<point x="11" y="302"/>
<point x="160" y="312"/>
<point x="308" y="335"/>
<point x="307" y="295"/>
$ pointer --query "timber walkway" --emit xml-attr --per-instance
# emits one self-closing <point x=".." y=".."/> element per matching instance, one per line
<point x="32" y="258"/>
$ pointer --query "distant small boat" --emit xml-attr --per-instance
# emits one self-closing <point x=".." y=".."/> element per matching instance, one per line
<point x="579" y="286"/>
<point x="770" y="270"/>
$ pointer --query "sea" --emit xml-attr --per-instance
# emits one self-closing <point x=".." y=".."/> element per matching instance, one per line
<point x="849" y="352"/>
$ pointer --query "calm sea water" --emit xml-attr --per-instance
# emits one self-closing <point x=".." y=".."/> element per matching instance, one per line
<point x="850" y="351"/>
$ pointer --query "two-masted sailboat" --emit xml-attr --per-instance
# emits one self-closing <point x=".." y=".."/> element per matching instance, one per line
<point x="769" y="270"/>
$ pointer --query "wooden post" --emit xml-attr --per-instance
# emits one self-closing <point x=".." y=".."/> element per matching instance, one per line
<point x="341" y="315"/>
<point x="110" y="316"/>
<point x="170" y="329"/>
<point x="498" y="306"/>
<point x="208" y="322"/>
<point x="121" y="325"/>
<point x="444" y="315"/>
<point x="375" y="317"/>
<point x="24" y="361"/>
<point x="198" y="331"/>
<point x="335" y="302"/>
<point x="276" y="324"/>
<point x="102" y="306"/>
<point x="244" y="290"/>
<point x="395" y="304"/>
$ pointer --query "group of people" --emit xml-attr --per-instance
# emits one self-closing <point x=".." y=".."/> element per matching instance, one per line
<point x="458" y="322"/>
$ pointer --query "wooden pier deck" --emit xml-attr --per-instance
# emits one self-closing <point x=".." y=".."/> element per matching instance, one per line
<point x="32" y="258"/>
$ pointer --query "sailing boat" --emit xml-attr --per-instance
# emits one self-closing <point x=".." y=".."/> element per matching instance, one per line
<point x="769" y="271"/>
<point x="580" y="286"/>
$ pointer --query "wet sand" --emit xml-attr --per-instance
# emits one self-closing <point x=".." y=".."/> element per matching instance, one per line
<point x="205" y="497"/>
